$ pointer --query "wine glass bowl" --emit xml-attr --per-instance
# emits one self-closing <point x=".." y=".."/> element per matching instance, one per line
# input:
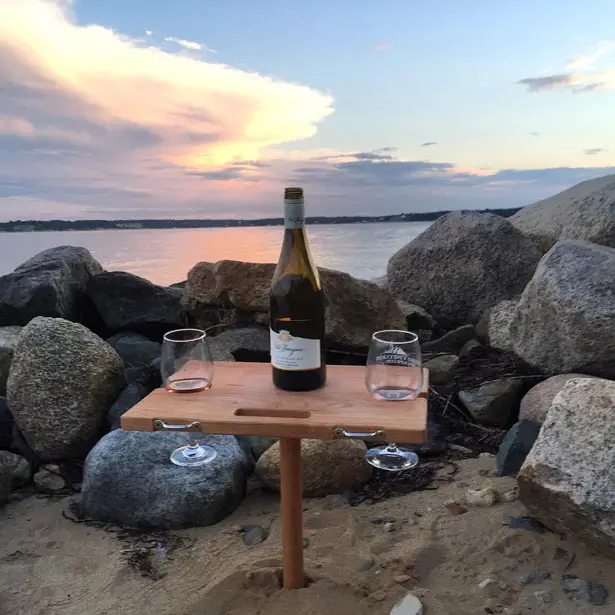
<point x="394" y="373"/>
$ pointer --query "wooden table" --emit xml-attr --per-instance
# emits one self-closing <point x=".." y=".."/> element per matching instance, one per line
<point x="244" y="402"/>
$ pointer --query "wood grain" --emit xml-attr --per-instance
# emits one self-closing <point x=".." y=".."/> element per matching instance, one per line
<point x="244" y="401"/>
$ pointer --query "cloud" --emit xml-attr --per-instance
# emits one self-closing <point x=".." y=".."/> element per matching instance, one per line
<point x="594" y="150"/>
<point x="383" y="46"/>
<point x="534" y="134"/>
<point x="429" y="143"/>
<point x="148" y="32"/>
<point x="189" y="45"/>
<point x="589" y="59"/>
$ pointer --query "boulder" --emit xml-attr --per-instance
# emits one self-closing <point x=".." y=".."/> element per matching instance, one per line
<point x="537" y="401"/>
<point x="126" y="302"/>
<point x="442" y="369"/>
<point x="567" y="480"/>
<point x="451" y="342"/>
<point x="248" y="343"/>
<point x="564" y="320"/>
<point x="52" y="283"/>
<point x="327" y="466"/>
<point x="8" y="340"/>
<point x="499" y="318"/>
<point x="493" y="403"/>
<point x="129" y="397"/>
<point x="463" y="264"/>
<point x="15" y="472"/>
<point x="135" y="349"/>
<point x="6" y="425"/>
<point x="417" y="319"/>
<point x="62" y="382"/>
<point x="255" y="446"/>
<point x="585" y="211"/>
<point x="129" y="480"/>
<point x="515" y="446"/>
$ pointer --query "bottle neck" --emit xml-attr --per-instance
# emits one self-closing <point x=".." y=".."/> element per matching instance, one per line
<point x="294" y="214"/>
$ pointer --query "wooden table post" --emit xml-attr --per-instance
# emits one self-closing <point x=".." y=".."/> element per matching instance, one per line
<point x="291" y="494"/>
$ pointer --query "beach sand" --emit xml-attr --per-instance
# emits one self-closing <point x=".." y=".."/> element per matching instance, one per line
<point x="52" y="566"/>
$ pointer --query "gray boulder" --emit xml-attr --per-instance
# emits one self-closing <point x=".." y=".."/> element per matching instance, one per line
<point x="6" y="425"/>
<point x="62" y="382"/>
<point x="463" y="264"/>
<point x="8" y="340"/>
<point x="499" y="318"/>
<point x="15" y="472"/>
<point x="135" y="349"/>
<point x="52" y="283"/>
<point x="585" y="211"/>
<point x="538" y="400"/>
<point x="564" y="320"/>
<point x="451" y="342"/>
<point x="126" y="302"/>
<point x="493" y="403"/>
<point x="442" y="369"/>
<point x="417" y="319"/>
<point x="515" y="446"/>
<point x="129" y="397"/>
<point x="248" y="343"/>
<point x="130" y="480"/>
<point x="567" y="480"/>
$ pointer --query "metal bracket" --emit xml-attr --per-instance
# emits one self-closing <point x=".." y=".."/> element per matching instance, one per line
<point x="340" y="432"/>
<point x="159" y="425"/>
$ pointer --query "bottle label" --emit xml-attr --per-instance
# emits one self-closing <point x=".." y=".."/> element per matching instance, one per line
<point x="294" y="214"/>
<point x="294" y="353"/>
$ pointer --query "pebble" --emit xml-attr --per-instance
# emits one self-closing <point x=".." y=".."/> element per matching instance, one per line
<point x="543" y="596"/>
<point x="455" y="508"/>
<point x="588" y="591"/>
<point x="482" y="497"/>
<point x="401" y="579"/>
<point x="366" y="564"/>
<point x="48" y="478"/>
<point x="379" y="595"/>
<point x="380" y="520"/>
<point x="460" y="449"/>
<point x="254" y="535"/>
<point x="389" y="527"/>
<point x="408" y="605"/>
<point x="306" y="543"/>
<point x="489" y="586"/>
<point x="510" y="496"/>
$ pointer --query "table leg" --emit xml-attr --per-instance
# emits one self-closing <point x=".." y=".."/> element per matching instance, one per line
<point x="291" y="493"/>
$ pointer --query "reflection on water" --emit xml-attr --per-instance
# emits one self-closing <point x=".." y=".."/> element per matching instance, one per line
<point x="165" y="256"/>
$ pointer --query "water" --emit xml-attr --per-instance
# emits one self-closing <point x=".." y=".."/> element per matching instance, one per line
<point x="166" y="256"/>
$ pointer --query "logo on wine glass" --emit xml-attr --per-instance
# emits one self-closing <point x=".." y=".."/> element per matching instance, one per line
<point x="285" y="336"/>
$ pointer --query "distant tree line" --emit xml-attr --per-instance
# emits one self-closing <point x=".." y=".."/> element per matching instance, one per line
<point x="92" y="225"/>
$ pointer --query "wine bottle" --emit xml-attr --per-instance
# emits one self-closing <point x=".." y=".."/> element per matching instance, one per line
<point x="297" y="307"/>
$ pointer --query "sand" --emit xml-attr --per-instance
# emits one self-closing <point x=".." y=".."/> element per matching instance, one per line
<point x="52" y="566"/>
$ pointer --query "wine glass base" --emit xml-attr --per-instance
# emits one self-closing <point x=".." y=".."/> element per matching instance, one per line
<point x="393" y="460"/>
<point x="189" y="456"/>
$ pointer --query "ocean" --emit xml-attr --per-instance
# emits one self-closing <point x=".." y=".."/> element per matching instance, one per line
<point x="165" y="256"/>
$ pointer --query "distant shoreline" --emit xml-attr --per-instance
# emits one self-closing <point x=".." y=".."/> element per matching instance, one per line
<point x="28" y="226"/>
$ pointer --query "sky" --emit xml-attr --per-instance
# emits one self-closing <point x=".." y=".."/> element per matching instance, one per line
<point x="200" y="109"/>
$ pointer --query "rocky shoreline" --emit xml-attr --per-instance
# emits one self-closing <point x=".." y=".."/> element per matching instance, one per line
<point x="517" y="328"/>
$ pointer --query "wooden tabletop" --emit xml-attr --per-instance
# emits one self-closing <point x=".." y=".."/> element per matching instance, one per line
<point x="244" y="401"/>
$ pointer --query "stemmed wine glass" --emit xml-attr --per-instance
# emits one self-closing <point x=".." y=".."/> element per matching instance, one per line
<point x="186" y="366"/>
<point x="394" y="373"/>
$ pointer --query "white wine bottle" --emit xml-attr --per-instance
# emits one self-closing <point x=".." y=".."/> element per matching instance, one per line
<point x="297" y="307"/>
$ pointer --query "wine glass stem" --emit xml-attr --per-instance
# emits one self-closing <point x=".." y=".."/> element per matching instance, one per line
<point x="391" y="447"/>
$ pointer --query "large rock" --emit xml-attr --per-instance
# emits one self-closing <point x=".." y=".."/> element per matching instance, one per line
<point x="327" y="466"/>
<point x="451" y="342"/>
<point x="567" y="480"/>
<point x="463" y="264"/>
<point x="564" y="320"/>
<point x="129" y="397"/>
<point x="248" y="343"/>
<point x="499" y="318"/>
<point x="130" y="480"/>
<point x="15" y="472"/>
<point x="8" y="341"/>
<point x="494" y="403"/>
<point x="63" y="380"/>
<point x="585" y="211"/>
<point x="6" y="425"/>
<point x="52" y="283"/>
<point x="126" y="302"/>
<point x="515" y="446"/>
<point x="442" y="369"/>
<point x="537" y="401"/>
<point x="355" y="308"/>
<point x="135" y="349"/>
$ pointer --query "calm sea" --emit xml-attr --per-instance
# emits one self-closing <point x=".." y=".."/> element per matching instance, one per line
<point x="165" y="256"/>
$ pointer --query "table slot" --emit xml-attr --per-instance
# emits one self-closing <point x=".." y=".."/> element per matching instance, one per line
<point x="273" y="413"/>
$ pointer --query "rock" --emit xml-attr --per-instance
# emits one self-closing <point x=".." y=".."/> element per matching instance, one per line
<point x="482" y="497"/>
<point x="220" y="353"/>
<point x="416" y="317"/>
<point x="249" y="343"/>
<point x="515" y="446"/>
<point x="537" y="401"/>
<point x="126" y="302"/>
<point x="6" y="425"/>
<point x="564" y="320"/>
<point x="543" y="596"/>
<point x="499" y="318"/>
<point x="512" y="495"/>
<point x="115" y="490"/>
<point x="8" y="340"/>
<point x="585" y="211"/>
<point x="468" y="347"/>
<point x="463" y="264"/>
<point x="408" y="605"/>
<point x="149" y="376"/>
<point x="366" y="564"/>
<point x="389" y="527"/>
<point x="129" y="397"/>
<point x="15" y="471"/>
<point x="441" y="369"/>
<point x="381" y="281"/>
<point x="588" y="591"/>
<point x="49" y="478"/>
<point x="62" y="382"/>
<point x="135" y="349"/>
<point x="254" y="535"/>
<point x="52" y="283"/>
<point x="567" y="481"/>
<point x="493" y="403"/>
<point x="451" y="342"/>
<point x="328" y="467"/>
<point x="490" y="587"/>
<point x="255" y="446"/>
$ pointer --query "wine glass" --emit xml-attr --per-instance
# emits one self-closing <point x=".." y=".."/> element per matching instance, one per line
<point x="394" y="373"/>
<point x="186" y="366"/>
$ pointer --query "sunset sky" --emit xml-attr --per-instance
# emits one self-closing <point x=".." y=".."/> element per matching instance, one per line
<point x="195" y="108"/>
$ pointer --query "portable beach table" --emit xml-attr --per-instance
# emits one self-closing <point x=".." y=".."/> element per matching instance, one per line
<point x="244" y="402"/>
